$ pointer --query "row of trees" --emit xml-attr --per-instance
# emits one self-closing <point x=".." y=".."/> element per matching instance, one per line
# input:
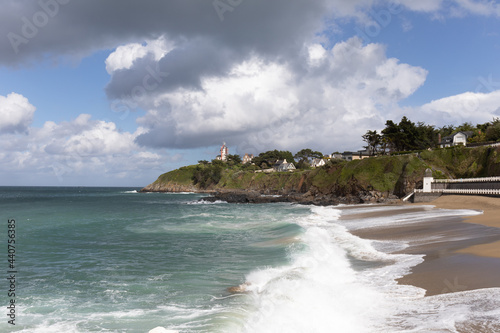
<point x="407" y="135"/>
<point x="301" y="159"/>
<point x="395" y="137"/>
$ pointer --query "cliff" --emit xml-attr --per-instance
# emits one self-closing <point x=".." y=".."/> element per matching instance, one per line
<point x="377" y="179"/>
<point x="179" y="180"/>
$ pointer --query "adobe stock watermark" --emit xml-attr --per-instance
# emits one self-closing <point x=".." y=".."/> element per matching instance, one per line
<point x="487" y="85"/>
<point x="30" y="27"/>
<point x="223" y="6"/>
<point x="381" y="19"/>
<point x="150" y="82"/>
<point x="471" y="103"/>
<point x="453" y="287"/>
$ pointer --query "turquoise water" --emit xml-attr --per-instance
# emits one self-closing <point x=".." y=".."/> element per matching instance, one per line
<point x="114" y="260"/>
<point x="93" y="259"/>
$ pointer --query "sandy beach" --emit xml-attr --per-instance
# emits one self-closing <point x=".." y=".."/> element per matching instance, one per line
<point x="490" y="217"/>
<point x="461" y="253"/>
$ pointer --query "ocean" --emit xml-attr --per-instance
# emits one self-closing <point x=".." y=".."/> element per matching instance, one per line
<point x="115" y="260"/>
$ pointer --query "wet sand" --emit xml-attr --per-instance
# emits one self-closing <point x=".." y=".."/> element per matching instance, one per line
<point x="461" y="253"/>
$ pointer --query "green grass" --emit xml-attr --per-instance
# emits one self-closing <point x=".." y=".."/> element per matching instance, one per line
<point x="385" y="173"/>
<point x="181" y="176"/>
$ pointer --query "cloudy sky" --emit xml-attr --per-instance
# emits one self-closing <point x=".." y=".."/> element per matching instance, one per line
<point x="117" y="92"/>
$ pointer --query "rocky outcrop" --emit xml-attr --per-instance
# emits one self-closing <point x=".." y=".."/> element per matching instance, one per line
<point x="253" y="197"/>
<point x="169" y="187"/>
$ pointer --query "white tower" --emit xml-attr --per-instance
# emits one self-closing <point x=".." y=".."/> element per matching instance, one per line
<point x="223" y="152"/>
<point x="428" y="179"/>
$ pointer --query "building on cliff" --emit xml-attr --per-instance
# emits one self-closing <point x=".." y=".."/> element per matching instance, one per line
<point x="317" y="162"/>
<point x="223" y="153"/>
<point x="459" y="138"/>
<point x="283" y="165"/>
<point x="247" y="158"/>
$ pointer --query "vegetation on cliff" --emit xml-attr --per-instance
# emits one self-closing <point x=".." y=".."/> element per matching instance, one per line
<point x="408" y="136"/>
<point x="392" y="175"/>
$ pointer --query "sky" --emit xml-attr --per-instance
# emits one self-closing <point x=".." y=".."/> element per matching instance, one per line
<point x="116" y="92"/>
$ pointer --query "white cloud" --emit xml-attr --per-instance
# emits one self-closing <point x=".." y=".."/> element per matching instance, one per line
<point x="421" y="5"/>
<point x="79" y="151"/>
<point x="466" y="107"/>
<point x="480" y="7"/>
<point x="316" y="54"/>
<point x="328" y="104"/>
<point x="124" y="56"/>
<point x="16" y="113"/>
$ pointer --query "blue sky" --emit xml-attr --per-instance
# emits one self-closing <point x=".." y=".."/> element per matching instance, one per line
<point x="144" y="88"/>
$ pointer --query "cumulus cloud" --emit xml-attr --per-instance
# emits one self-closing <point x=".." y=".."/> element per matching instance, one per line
<point x="52" y="28"/>
<point x="73" y="28"/>
<point x="16" y="113"/>
<point x="262" y="104"/>
<point x="124" y="56"/>
<point x="264" y="74"/>
<point x="83" y="148"/>
<point x="475" y="107"/>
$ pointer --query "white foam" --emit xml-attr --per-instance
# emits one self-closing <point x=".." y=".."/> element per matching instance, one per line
<point x="320" y="291"/>
<point x="203" y="202"/>
<point x="403" y="218"/>
<point x="160" y="329"/>
<point x="133" y="191"/>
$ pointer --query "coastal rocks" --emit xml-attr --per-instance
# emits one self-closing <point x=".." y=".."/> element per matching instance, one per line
<point x="169" y="187"/>
<point x="307" y="198"/>
<point x="239" y="289"/>
<point x="245" y="197"/>
<point x="376" y="197"/>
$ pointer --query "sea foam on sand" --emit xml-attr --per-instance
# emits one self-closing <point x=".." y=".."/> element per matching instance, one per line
<point x="343" y="283"/>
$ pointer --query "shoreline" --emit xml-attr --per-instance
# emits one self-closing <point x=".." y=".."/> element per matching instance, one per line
<point x="460" y="252"/>
<point x="490" y="206"/>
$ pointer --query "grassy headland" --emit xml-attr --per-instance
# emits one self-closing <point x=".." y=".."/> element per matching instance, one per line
<point x="388" y="176"/>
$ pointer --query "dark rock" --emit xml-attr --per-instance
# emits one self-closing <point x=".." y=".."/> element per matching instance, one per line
<point x="307" y="198"/>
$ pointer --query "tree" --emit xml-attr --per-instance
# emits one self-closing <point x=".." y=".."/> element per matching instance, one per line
<point x="204" y="162"/>
<point x="446" y="130"/>
<point x="392" y="136"/>
<point x="270" y="157"/>
<point x="493" y="131"/>
<point x="303" y="164"/>
<point x="408" y="136"/>
<point x="217" y="163"/>
<point x="233" y="159"/>
<point x="306" y="155"/>
<point x="373" y="139"/>
<point x="427" y="136"/>
<point x="466" y="127"/>
<point x="206" y="175"/>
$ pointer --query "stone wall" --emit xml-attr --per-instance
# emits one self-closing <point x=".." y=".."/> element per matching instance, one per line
<point x="425" y="197"/>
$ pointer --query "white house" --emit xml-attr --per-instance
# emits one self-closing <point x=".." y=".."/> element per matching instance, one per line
<point x="247" y="158"/>
<point x="459" y="138"/>
<point x="317" y="162"/>
<point x="283" y="165"/>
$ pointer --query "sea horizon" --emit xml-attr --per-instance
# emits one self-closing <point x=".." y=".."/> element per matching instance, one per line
<point x="168" y="260"/>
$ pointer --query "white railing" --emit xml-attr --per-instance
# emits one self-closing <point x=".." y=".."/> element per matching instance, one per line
<point x="462" y="191"/>
<point x="468" y="180"/>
